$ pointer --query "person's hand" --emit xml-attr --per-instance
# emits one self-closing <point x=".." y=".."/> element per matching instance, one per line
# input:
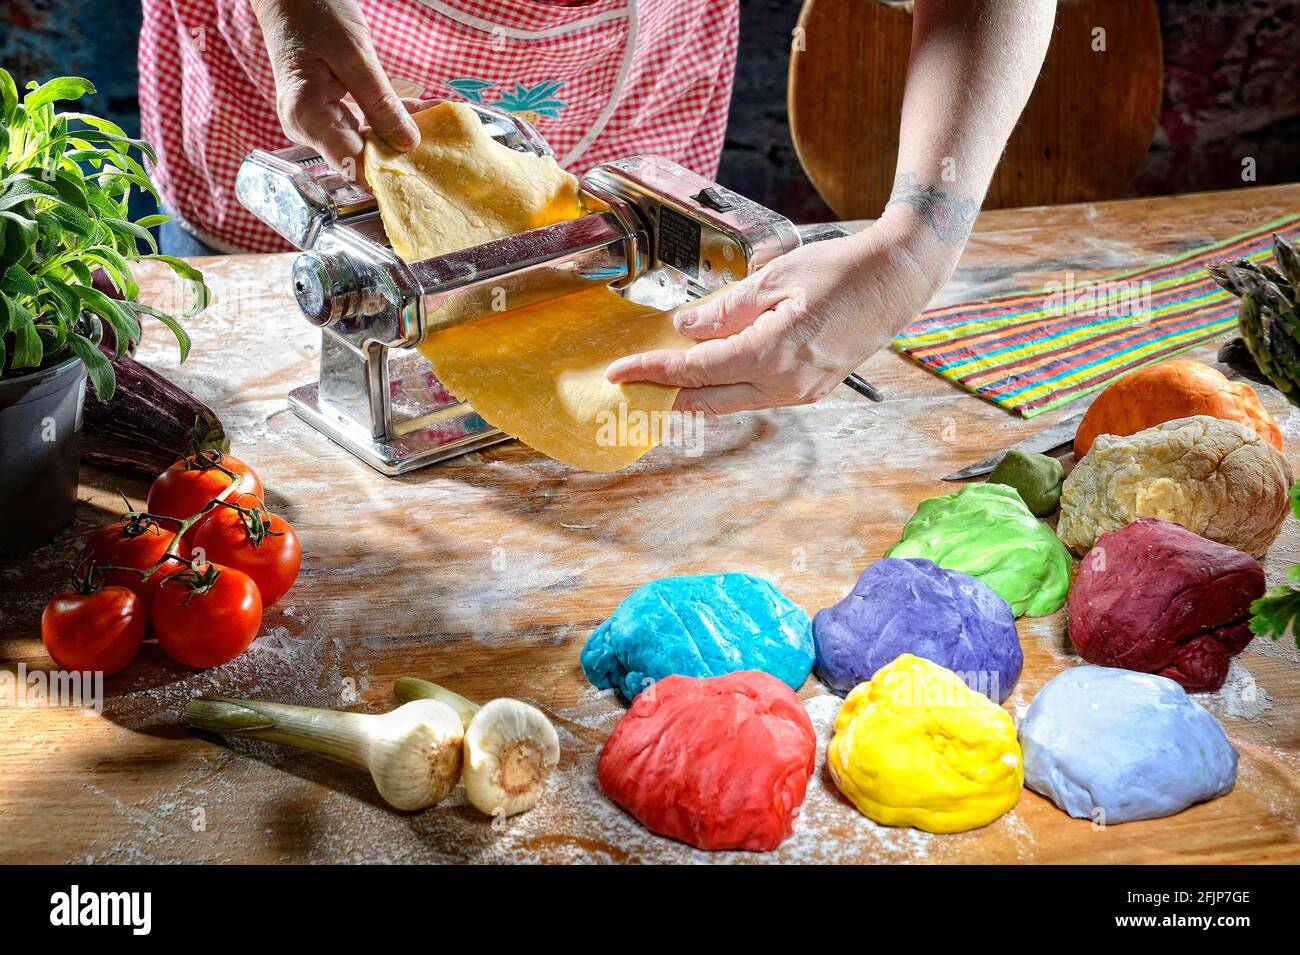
<point x="791" y="332"/>
<point x="320" y="52"/>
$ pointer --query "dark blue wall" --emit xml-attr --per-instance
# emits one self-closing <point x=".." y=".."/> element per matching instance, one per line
<point x="759" y="158"/>
<point x="91" y="38"/>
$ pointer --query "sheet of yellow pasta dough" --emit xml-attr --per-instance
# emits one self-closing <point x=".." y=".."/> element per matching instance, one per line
<point x="460" y="187"/>
<point x="538" y="373"/>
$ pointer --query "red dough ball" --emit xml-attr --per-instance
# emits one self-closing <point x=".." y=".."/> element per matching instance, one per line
<point x="718" y="763"/>
<point x="1157" y="598"/>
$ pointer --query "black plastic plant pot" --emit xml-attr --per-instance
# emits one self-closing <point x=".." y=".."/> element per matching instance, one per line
<point x="40" y="451"/>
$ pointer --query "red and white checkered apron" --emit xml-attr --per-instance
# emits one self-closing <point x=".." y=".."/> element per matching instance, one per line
<point x="601" y="80"/>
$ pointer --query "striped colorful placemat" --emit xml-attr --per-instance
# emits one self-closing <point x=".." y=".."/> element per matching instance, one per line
<point x="1035" y="351"/>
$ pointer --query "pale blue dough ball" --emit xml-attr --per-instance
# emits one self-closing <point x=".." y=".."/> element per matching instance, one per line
<point x="700" y="626"/>
<point x="1132" y="745"/>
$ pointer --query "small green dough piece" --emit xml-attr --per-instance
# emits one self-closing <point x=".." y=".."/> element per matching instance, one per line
<point x="986" y="530"/>
<point x="1036" y="476"/>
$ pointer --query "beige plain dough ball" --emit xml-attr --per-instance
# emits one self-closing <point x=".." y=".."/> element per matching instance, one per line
<point x="1216" y="478"/>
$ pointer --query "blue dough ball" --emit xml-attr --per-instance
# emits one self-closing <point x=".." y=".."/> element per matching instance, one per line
<point x="912" y="605"/>
<point x="1132" y="745"/>
<point x="699" y="626"/>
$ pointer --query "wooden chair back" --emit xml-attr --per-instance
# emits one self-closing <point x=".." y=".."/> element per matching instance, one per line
<point x="1086" y="128"/>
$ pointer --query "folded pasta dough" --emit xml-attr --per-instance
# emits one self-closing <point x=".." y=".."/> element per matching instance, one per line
<point x="537" y="373"/>
<point x="460" y="187"/>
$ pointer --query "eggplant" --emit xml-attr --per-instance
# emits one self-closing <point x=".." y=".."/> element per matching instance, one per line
<point x="148" y="425"/>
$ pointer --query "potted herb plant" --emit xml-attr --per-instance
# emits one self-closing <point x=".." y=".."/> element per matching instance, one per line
<point x="66" y="244"/>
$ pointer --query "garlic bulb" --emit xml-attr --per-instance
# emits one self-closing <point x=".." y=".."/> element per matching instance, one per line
<point x="413" y="753"/>
<point x="510" y="748"/>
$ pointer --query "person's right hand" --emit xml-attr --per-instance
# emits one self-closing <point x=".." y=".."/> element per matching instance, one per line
<point x="320" y="52"/>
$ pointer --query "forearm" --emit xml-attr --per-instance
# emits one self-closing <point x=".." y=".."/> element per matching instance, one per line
<point x="973" y="65"/>
<point x="789" y="333"/>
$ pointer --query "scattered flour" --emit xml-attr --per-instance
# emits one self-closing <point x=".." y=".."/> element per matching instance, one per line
<point x="272" y="802"/>
<point x="1240" y="697"/>
<point x="1290" y="425"/>
<point x="573" y="822"/>
<point x="305" y="670"/>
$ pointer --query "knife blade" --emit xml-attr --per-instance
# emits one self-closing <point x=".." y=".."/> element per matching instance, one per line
<point x="1058" y="436"/>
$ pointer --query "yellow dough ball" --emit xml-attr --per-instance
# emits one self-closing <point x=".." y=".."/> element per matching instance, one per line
<point x="915" y="746"/>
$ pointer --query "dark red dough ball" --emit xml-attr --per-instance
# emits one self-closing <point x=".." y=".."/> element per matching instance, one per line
<point x="1155" y="597"/>
<point x="718" y="763"/>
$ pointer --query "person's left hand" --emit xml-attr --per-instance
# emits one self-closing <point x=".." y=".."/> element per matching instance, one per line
<point x="788" y="334"/>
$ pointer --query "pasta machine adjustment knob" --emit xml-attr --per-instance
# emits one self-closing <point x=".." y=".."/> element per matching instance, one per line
<point x="326" y="286"/>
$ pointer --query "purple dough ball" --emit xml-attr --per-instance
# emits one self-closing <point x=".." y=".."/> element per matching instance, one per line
<point x="914" y="606"/>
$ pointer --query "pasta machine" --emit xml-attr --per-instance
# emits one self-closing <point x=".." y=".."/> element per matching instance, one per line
<point x="656" y="233"/>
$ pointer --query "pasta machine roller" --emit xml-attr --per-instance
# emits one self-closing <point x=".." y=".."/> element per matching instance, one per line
<point x="656" y="233"/>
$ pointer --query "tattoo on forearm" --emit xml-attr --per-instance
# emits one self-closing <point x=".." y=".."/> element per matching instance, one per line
<point x="949" y="217"/>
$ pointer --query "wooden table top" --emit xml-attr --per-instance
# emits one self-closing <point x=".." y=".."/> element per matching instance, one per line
<point x="487" y="574"/>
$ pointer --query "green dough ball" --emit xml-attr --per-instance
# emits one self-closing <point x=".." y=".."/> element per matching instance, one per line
<point x="1036" y="476"/>
<point x="986" y="530"/>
